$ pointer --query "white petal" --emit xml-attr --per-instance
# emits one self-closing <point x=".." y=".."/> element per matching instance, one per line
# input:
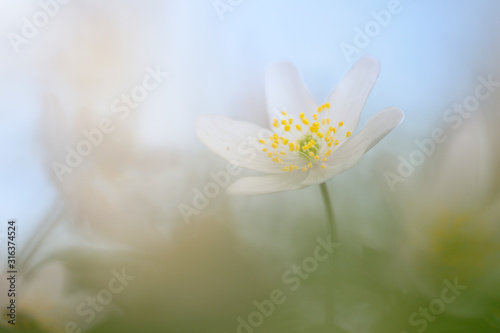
<point x="268" y="184"/>
<point x="378" y="126"/>
<point x="349" y="97"/>
<point x="318" y="175"/>
<point x="285" y="90"/>
<point x="236" y="141"/>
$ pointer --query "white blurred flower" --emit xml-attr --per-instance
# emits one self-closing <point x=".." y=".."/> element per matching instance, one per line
<point x="450" y="218"/>
<point x="118" y="189"/>
<point x="308" y="144"/>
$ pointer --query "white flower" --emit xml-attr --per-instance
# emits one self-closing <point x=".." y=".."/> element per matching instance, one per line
<point x="307" y="144"/>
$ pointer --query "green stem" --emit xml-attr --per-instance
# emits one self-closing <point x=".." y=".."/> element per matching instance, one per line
<point x="37" y="238"/>
<point x="332" y="227"/>
<point x="332" y="232"/>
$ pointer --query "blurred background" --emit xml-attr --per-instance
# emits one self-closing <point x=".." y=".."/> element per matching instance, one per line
<point x="412" y="219"/>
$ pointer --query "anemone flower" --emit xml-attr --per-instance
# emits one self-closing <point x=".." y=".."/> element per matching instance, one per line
<point x="307" y="143"/>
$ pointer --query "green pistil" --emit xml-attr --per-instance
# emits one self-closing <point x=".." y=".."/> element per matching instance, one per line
<point x="313" y="149"/>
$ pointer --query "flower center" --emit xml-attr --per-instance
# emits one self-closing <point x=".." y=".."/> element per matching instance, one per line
<point x="310" y="148"/>
<point x="311" y="141"/>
